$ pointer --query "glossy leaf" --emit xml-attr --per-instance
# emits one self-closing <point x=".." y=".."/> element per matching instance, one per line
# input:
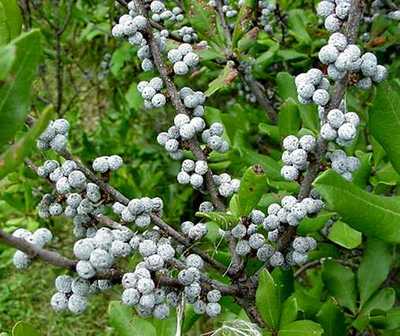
<point x="376" y="216"/>
<point x="286" y="86"/>
<point x="284" y="281"/>
<point x="297" y="27"/>
<point x="15" y="91"/>
<point x="24" y="329"/>
<point x="223" y="219"/>
<point x="289" y="118"/>
<point x="126" y="324"/>
<point x="4" y="32"/>
<point x="224" y="79"/>
<point x="313" y="224"/>
<point x="15" y="154"/>
<point x="7" y="58"/>
<point x="301" y="328"/>
<point x="332" y="319"/>
<point x="13" y="17"/>
<point x="267" y="300"/>
<point x="384" y="121"/>
<point x="289" y="311"/>
<point x="377" y="257"/>
<point x="383" y="300"/>
<point x="341" y="284"/>
<point x="343" y="235"/>
<point x="253" y="185"/>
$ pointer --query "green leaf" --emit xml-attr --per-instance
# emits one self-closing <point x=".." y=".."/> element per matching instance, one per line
<point x="253" y="185"/>
<point x="15" y="154"/>
<point x="377" y="257"/>
<point x="314" y="224"/>
<point x="297" y="27"/>
<point x="392" y="319"/>
<point x="360" y="209"/>
<point x="15" y="91"/>
<point x="166" y="327"/>
<point x="301" y="328"/>
<point x="24" y="329"/>
<point x="125" y="324"/>
<point x="13" y="17"/>
<point x="289" y="118"/>
<point x="332" y="319"/>
<point x="381" y="301"/>
<point x="284" y="281"/>
<point x="244" y="20"/>
<point x="286" y="86"/>
<point x="341" y="284"/>
<point x="384" y="121"/>
<point x="223" y="219"/>
<point x="225" y="77"/>
<point x="267" y="300"/>
<point x="4" y="31"/>
<point x="7" y="58"/>
<point x="272" y="131"/>
<point x="343" y="235"/>
<point x="289" y="311"/>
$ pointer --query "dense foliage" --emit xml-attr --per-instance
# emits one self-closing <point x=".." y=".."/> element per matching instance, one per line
<point x="190" y="167"/>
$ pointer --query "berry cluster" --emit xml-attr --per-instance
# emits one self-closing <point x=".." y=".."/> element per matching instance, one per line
<point x="247" y="236"/>
<point x="227" y="9"/>
<point x="206" y="206"/>
<point x="340" y="126"/>
<point x="342" y="57"/>
<point x="301" y="246"/>
<point x="161" y="13"/>
<point x="185" y="128"/>
<point x="226" y="185"/>
<point x="183" y="58"/>
<point x="312" y="87"/>
<point x="140" y="292"/>
<point x="295" y="155"/>
<point x="39" y="238"/>
<point x="73" y="293"/>
<point x="213" y="138"/>
<point x="194" y="231"/>
<point x="267" y="14"/>
<point x="190" y="277"/>
<point x="193" y="172"/>
<point x="193" y="101"/>
<point x="138" y="210"/>
<point x="151" y="94"/>
<point x="103" y="164"/>
<point x="132" y="26"/>
<point x="343" y="164"/>
<point x="55" y="136"/>
<point x="97" y="254"/>
<point x="394" y="15"/>
<point x="187" y="34"/>
<point x="334" y="12"/>
<point x="291" y="212"/>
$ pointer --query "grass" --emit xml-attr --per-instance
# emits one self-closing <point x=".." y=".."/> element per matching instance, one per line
<point x="26" y="295"/>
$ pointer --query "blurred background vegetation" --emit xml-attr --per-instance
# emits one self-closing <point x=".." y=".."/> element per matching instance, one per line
<point x="91" y="80"/>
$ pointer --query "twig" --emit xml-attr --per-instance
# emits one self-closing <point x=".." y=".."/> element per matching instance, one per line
<point x="119" y="197"/>
<point x="351" y="31"/>
<point x="33" y="251"/>
<point x="180" y="108"/>
<point x="186" y="242"/>
<point x="258" y="90"/>
<point x="224" y="24"/>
